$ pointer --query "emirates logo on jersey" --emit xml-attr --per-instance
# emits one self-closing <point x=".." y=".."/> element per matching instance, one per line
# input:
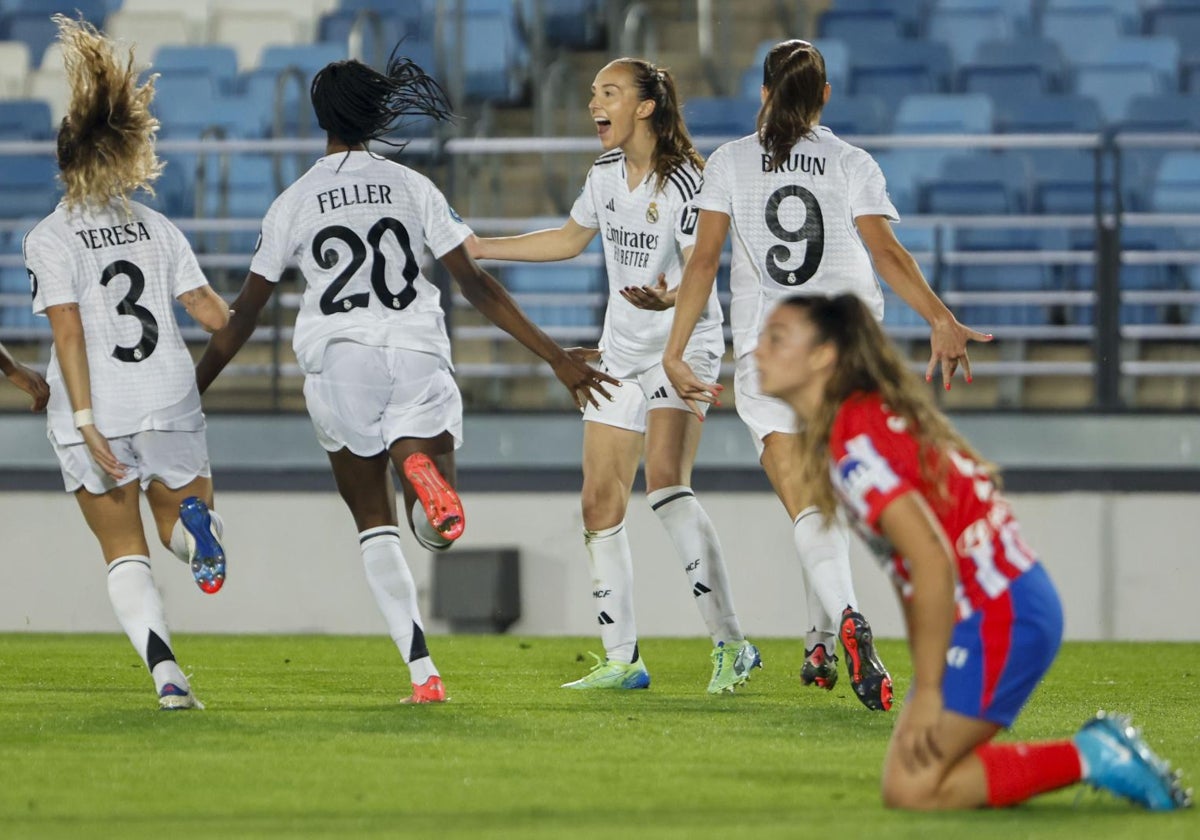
<point x="652" y="213"/>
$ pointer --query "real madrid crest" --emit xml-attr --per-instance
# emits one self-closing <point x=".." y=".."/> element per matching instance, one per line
<point x="652" y="213"/>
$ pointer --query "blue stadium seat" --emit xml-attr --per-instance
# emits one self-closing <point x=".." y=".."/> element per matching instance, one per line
<point x="262" y="87"/>
<point x="93" y="11"/>
<point x="965" y="29"/>
<point x="979" y="183"/>
<point x="414" y="19"/>
<point x="1114" y="86"/>
<point x="251" y="188"/>
<point x="1055" y="114"/>
<point x="856" y="115"/>
<point x="1162" y="112"/>
<point x="171" y="196"/>
<point x="185" y="105"/>
<point x="308" y="58"/>
<point x="25" y="119"/>
<point x="1182" y="22"/>
<point x="576" y="24"/>
<point x="37" y="31"/>
<point x="894" y="69"/>
<point x="897" y="313"/>
<point x="27" y="185"/>
<point x="1127" y="12"/>
<point x="1082" y="34"/>
<point x="909" y="14"/>
<point x="728" y="116"/>
<point x="860" y="29"/>
<point x="1065" y="182"/>
<point x="1177" y="184"/>
<point x="907" y="171"/>
<point x="335" y="28"/>
<point x="1011" y="70"/>
<point x="217" y="62"/>
<point x="1020" y="13"/>
<point x="564" y="279"/>
<point x="494" y="56"/>
<point x="948" y="113"/>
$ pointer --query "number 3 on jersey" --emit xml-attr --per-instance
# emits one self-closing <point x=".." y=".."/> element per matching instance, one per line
<point x="812" y="232"/>
<point x="331" y="304"/>
<point x="129" y="305"/>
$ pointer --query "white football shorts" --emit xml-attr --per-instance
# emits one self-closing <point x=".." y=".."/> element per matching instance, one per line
<point x="648" y="391"/>
<point x="173" y="458"/>
<point x="365" y="398"/>
<point x="763" y="415"/>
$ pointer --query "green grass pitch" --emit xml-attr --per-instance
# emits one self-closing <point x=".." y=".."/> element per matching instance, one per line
<point x="303" y="737"/>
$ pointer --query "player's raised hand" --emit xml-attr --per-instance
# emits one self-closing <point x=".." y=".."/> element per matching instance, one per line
<point x="948" y="348"/>
<point x="102" y="454"/>
<point x="657" y="297"/>
<point x="581" y="379"/>
<point x="32" y="383"/>
<point x="691" y="388"/>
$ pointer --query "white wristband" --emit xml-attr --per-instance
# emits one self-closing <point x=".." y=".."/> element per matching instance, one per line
<point x="84" y="417"/>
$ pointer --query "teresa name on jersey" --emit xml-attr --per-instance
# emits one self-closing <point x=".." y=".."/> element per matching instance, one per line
<point x="105" y="237"/>
<point x="354" y="194"/>
<point x="632" y="248"/>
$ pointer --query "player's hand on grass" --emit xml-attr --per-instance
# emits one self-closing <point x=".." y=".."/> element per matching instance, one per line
<point x="657" y="297"/>
<point x="582" y="380"/>
<point x="916" y="734"/>
<point x="690" y="387"/>
<point x="97" y="445"/>
<point x="32" y="383"/>
<point x="948" y="348"/>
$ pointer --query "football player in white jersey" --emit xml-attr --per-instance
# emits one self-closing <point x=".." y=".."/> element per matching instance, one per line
<point x="809" y="214"/>
<point x="640" y="195"/>
<point x="124" y="410"/>
<point x="25" y="378"/>
<point x="370" y="335"/>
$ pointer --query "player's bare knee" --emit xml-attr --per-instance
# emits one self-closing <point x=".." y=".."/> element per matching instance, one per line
<point x="601" y="506"/>
<point x="659" y="476"/>
<point x="908" y="792"/>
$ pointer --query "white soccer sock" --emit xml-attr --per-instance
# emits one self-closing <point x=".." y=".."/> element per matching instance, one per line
<point x="138" y="607"/>
<point x="178" y="543"/>
<point x="611" y="564"/>
<point x="396" y="594"/>
<point x="824" y="548"/>
<point x="424" y="531"/>
<point x="697" y="545"/>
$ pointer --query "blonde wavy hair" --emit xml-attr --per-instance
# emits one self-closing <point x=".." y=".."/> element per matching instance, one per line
<point x="868" y="362"/>
<point x="106" y="140"/>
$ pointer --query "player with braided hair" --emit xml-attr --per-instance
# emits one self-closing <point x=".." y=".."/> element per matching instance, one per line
<point x="370" y="336"/>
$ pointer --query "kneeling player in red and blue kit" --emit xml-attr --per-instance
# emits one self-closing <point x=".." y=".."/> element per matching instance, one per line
<point x="984" y="620"/>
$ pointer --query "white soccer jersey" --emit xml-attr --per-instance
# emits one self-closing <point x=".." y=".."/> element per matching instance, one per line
<point x="793" y="228"/>
<point x="124" y="269"/>
<point x="357" y="226"/>
<point x="645" y="231"/>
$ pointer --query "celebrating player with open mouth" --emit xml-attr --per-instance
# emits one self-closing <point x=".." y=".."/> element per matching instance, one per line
<point x="801" y="204"/>
<point x="124" y="408"/>
<point x="371" y="336"/>
<point x="984" y="620"/>
<point x="640" y="194"/>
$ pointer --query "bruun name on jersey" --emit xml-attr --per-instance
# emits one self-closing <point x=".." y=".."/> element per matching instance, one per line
<point x="104" y="237"/>
<point x="630" y="247"/>
<point x="796" y="163"/>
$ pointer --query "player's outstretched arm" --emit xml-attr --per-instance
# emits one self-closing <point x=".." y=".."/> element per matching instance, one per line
<point x="699" y="275"/>
<point x="497" y="305"/>
<point x="916" y="535"/>
<point x="947" y="338"/>
<point x="548" y="245"/>
<point x="25" y="378"/>
<point x="207" y="308"/>
<point x="226" y="342"/>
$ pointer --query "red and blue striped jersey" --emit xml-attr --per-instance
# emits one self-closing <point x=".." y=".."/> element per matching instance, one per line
<point x="876" y="460"/>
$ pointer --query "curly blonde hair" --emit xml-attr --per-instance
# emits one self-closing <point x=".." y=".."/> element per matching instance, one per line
<point x="868" y="362"/>
<point x="106" y="140"/>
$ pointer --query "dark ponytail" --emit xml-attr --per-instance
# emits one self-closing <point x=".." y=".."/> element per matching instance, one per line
<point x="356" y="103"/>
<point x="794" y="76"/>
